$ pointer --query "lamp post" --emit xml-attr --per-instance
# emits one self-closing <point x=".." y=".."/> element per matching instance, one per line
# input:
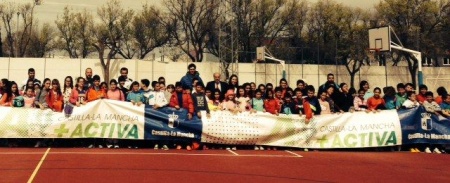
<point x="17" y="35"/>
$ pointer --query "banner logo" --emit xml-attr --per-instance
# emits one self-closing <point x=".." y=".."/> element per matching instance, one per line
<point x="427" y="123"/>
<point x="173" y="120"/>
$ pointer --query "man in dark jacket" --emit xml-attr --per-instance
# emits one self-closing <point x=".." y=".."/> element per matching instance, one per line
<point x="190" y="75"/>
<point x="217" y="84"/>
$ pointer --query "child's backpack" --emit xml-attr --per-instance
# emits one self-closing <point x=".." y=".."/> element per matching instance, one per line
<point x="18" y="101"/>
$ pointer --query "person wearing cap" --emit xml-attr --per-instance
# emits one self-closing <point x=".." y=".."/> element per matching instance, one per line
<point x="186" y="81"/>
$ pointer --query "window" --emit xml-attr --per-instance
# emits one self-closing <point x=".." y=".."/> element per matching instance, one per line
<point x="446" y="61"/>
<point x="427" y="61"/>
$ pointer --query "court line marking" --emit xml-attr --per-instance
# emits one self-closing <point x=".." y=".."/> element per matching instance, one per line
<point x="232" y="152"/>
<point x="295" y="154"/>
<point x="38" y="166"/>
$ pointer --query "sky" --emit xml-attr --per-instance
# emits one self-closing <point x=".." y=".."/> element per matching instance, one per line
<point x="50" y="9"/>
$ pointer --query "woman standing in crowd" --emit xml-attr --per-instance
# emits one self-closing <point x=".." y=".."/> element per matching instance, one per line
<point x="67" y="92"/>
<point x="55" y="98"/>
<point x="262" y="88"/>
<point x="7" y="97"/>
<point x="233" y="83"/>
<point x="40" y="100"/>
<point x="344" y="99"/>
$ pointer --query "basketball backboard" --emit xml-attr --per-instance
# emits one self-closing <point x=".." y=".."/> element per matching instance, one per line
<point x="260" y="53"/>
<point x="380" y="38"/>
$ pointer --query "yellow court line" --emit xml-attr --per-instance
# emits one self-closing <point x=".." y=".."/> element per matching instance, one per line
<point x="38" y="166"/>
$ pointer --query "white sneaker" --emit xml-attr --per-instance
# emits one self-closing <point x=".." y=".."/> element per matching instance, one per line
<point x="306" y="149"/>
<point x="109" y="146"/>
<point x="116" y="147"/>
<point x="261" y="148"/>
<point x="38" y="144"/>
<point x="233" y="148"/>
<point x="228" y="148"/>
<point x="156" y="147"/>
<point x="165" y="148"/>
<point x="100" y="146"/>
<point x="436" y="150"/>
<point x="256" y="148"/>
<point x="91" y="146"/>
<point x="427" y="150"/>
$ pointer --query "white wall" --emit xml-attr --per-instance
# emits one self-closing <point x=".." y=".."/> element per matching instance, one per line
<point x="16" y="69"/>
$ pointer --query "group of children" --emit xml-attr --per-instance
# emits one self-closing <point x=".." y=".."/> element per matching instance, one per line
<point x="331" y="98"/>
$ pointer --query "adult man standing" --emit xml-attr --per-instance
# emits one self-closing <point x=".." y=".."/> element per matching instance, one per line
<point x="124" y="74"/>
<point x="89" y="81"/>
<point x="31" y="77"/>
<point x="192" y="73"/>
<point x="217" y="85"/>
<point x="330" y="81"/>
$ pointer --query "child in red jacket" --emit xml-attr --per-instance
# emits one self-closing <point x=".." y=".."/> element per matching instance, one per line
<point x="271" y="105"/>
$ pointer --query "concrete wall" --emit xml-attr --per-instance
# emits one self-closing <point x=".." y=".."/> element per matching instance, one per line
<point x="16" y="70"/>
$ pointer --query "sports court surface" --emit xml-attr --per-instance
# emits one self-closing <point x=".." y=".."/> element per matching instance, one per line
<point x="148" y="165"/>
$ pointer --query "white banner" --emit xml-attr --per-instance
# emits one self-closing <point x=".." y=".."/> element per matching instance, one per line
<point x="97" y="119"/>
<point x="348" y="130"/>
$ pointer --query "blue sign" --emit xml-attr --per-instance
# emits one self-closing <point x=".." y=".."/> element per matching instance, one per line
<point x="171" y="124"/>
<point x="421" y="127"/>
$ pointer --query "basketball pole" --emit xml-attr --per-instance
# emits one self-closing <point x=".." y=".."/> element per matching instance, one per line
<point x="263" y="53"/>
<point x="418" y="56"/>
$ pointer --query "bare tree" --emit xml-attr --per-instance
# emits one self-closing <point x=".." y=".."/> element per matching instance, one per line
<point x="194" y="20"/>
<point x="150" y="30"/>
<point x="415" y="23"/>
<point x="41" y="41"/>
<point x="109" y="33"/>
<point x="26" y="12"/>
<point x="8" y="11"/>
<point x="74" y="33"/>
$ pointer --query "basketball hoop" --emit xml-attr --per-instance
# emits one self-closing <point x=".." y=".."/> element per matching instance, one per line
<point x="373" y="53"/>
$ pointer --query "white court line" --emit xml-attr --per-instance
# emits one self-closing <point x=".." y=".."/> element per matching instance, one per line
<point x="295" y="154"/>
<point x="232" y="152"/>
<point x="38" y="166"/>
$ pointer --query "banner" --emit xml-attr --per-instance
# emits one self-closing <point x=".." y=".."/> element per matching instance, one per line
<point x="122" y="120"/>
<point x="97" y="119"/>
<point x="171" y="124"/>
<point x="348" y="130"/>
<point x="418" y="126"/>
